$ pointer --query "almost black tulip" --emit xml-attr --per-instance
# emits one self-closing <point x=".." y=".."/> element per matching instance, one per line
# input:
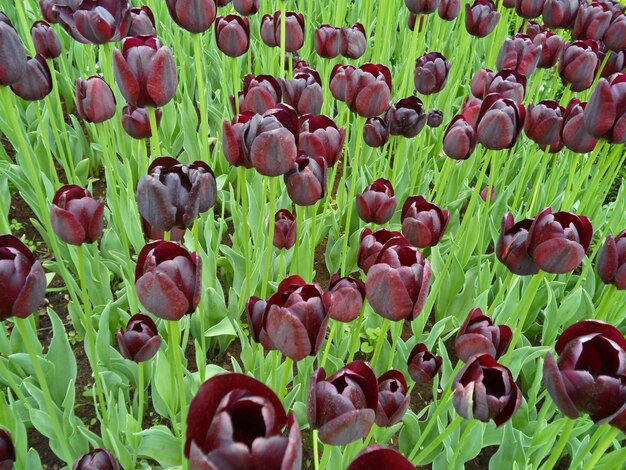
<point x="320" y="136"/>
<point x="46" y="41"/>
<point x="612" y="261"/>
<point x="529" y="8"/>
<point x="500" y="122"/>
<point x="353" y="41"/>
<point x="36" y="82"/>
<point x="347" y="295"/>
<point x="519" y="54"/>
<point x="7" y="450"/>
<point x="246" y="7"/>
<point x="47" y="10"/>
<point x="377" y="202"/>
<point x="196" y="16"/>
<point x="481" y="18"/>
<point x="232" y="34"/>
<point x="304" y="93"/>
<point x="551" y="48"/>
<point x="375" y="132"/>
<point x="407" y="117"/>
<point x="422" y="7"/>
<point x="574" y="134"/>
<point x="96" y="21"/>
<point x="285" y="229"/>
<point x="605" y="114"/>
<point x="478" y="335"/>
<point x="294" y="30"/>
<point x="328" y="41"/>
<point x="459" y="140"/>
<point x="356" y="389"/>
<point x="592" y="21"/>
<point x="578" y="64"/>
<point x="365" y="90"/>
<point x="480" y="81"/>
<point x="393" y="398"/>
<point x="615" y="36"/>
<point x="76" y="217"/>
<point x="616" y="62"/>
<point x="95" y="101"/>
<point x="259" y="94"/>
<point x="306" y="181"/>
<point x="449" y="9"/>
<point x="372" y="243"/>
<point x="532" y="29"/>
<point x="511" y="246"/>
<point x="255" y="313"/>
<point x="423" y="365"/>
<point x="100" y="459"/>
<point x="435" y="118"/>
<point x="423" y="223"/>
<point x="431" y="73"/>
<point x="136" y="121"/>
<point x="508" y="83"/>
<point x="560" y="13"/>
<point x="544" y="123"/>
<point x="141" y="340"/>
<point x="376" y="456"/>
<point x="142" y="22"/>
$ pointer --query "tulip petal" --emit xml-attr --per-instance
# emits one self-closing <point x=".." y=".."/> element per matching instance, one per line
<point x="162" y="80"/>
<point x="347" y="427"/>
<point x="287" y="333"/>
<point x="161" y="296"/>
<point x="33" y="292"/>
<point x="558" y="255"/>
<point x="387" y="293"/>
<point x="125" y="79"/>
<point x="66" y="226"/>
<point x="556" y="387"/>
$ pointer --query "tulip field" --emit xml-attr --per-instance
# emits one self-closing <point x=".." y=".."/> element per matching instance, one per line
<point x="287" y="234"/>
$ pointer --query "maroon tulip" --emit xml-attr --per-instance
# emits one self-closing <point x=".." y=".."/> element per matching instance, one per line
<point x="294" y="30"/>
<point x="141" y="340"/>
<point x="145" y="72"/>
<point x="376" y="456"/>
<point x="592" y="21"/>
<point x="232" y="34"/>
<point x="480" y="81"/>
<point x="533" y="29"/>
<point x="500" y="122"/>
<point x="7" y="450"/>
<point x="151" y="233"/>
<point x="13" y="63"/>
<point x="196" y="16"/>
<point x="285" y="229"/>
<point x="320" y="136"/>
<point x="574" y="134"/>
<point x="136" y="121"/>
<point x="353" y="41"/>
<point x="589" y="377"/>
<point x="142" y="22"/>
<point x="347" y="295"/>
<point x="328" y="41"/>
<point x="605" y="114"/>
<point x="365" y="90"/>
<point x="47" y="10"/>
<point x="423" y="223"/>
<point x="459" y="140"/>
<point x="431" y="73"/>
<point x="46" y="41"/>
<point x="304" y="93"/>
<point x="529" y="8"/>
<point x="95" y="21"/>
<point x="36" y="82"/>
<point x="255" y="313"/>
<point x="406" y="117"/>
<point x="435" y="118"/>
<point x="481" y="18"/>
<point x="615" y="36"/>
<point x="484" y="194"/>
<point x="478" y="335"/>
<point x="560" y="13"/>
<point x="343" y="407"/>
<point x="100" y="459"/>
<point x="449" y="9"/>
<point x="76" y="217"/>
<point x="615" y="63"/>
<point x="306" y="181"/>
<point x="377" y="202"/>
<point x="173" y="194"/>
<point x="372" y="243"/>
<point x="296" y="318"/>
<point x="423" y="365"/>
<point x="519" y="54"/>
<point x="235" y="421"/>
<point x="544" y="123"/>
<point x="393" y="398"/>
<point x="422" y="7"/>
<point x="231" y="140"/>
<point x="246" y="7"/>
<point x="508" y="83"/>
<point x="551" y="49"/>
<point x="485" y="390"/>
<point x="167" y="279"/>
<point x="259" y="94"/>
<point x="612" y="261"/>
<point x="95" y="101"/>
<point x="511" y="246"/>
<point x="375" y="132"/>
<point x="578" y="64"/>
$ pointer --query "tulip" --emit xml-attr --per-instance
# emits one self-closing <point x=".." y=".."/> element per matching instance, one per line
<point x="529" y="8"/>
<point x="375" y="132"/>
<point x="406" y="117"/>
<point x="485" y="390"/>
<point x="340" y="81"/>
<point x="270" y="141"/>
<point x="393" y="398"/>
<point x="235" y="421"/>
<point x="459" y="140"/>
<point x="365" y="90"/>
<point x="296" y="318"/>
<point x="511" y="246"/>
<point x="520" y="54"/>
<point x="36" y="82"/>
<point x="320" y="136"/>
<point x="255" y="313"/>
<point x="423" y="223"/>
<point x="544" y="122"/>
<point x="285" y="229"/>
<point x="478" y="335"/>
<point x="347" y="295"/>
<point x="592" y="21"/>
<point x="574" y="134"/>
<point x="142" y="22"/>
<point x="372" y="243"/>
<point x="435" y="118"/>
<point x="260" y="94"/>
<point x="377" y="202"/>
<point x="47" y="10"/>
<point x="376" y="456"/>
<point x="151" y="233"/>
<point x="231" y="140"/>
<point x="422" y="7"/>
<point x="145" y="72"/>
<point x="578" y="64"/>
<point x="397" y="284"/>
<point x="196" y="16"/>
<point x="304" y="93"/>
<point x="612" y="261"/>
<point x="589" y="376"/>
<point x="551" y="48"/>
<point x="500" y="122"/>
<point x="306" y="181"/>
<point x="7" y="450"/>
<point x="481" y="18"/>
<point x="232" y="34"/>
<point x="431" y="73"/>
<point x="560" y="13"/>
<point x="96" y="21"/>
<point x="141" y="340"/>
<point x="246" y="7"/>
<point x="328" y="41"/>
<point x="46" y="41"/>
<point x="605" y="114"/>
<point x="480" y="81"/>
<point x="167" y="279"/>
<point x="615" y="36"/>
<point x="95" y="101"/>
<point x="343" y="407"/>
<point x="616" y="62"/>
<point x="449" y="9"/>
<point x="533" y="29"/>
<point x="136" y="121"/>
<point x="294" y="30"/>
<point x="484" y="194"/>
<point x="353" y="41"/>
<point x="509" y="84"/>
<point x="76" y="217"/>
<point x="100" y="459"/>
<point x="423" y="365"/>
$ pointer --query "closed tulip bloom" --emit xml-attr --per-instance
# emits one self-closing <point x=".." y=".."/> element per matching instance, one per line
<point x="285" y="229"/>
<point x="328" y="41"/>
<point x="519" y="54"/>
<point x="393" y="398"/>
<point x="136" y="121"/>
<point x="100" y="459"/>
<point x="616" y="62"/>
<point x="407" y="117"/>
<point x="142" y="22"/>
<point x="509" y="84"/>
<point x="168" y="279"/>
<point x="259" y="94"/>
<point x="431" y="73"/>
<point x="605" y="114"/>
<point x="343" y="406"/>
<point x="36" y="82"/>
<point x="481" y="18"/>
<point x="306" y="181"/>
<point x="372" y="243"/>
<point x="589" y="375"/>
<point x="551" y="48"/>
<point x="529" y="8"/>
<point x="365" y="90"/>
<point x="532" y="29"/>
<point x="435" y="118"/>
<point x="592" y="21"/>
<point x="294" y="30"/>
<point x="459" y="140"/>
<point x="353" y="41"/>
<point x="246" y="7"/>
<point x="485" y="390"/>
<point x="500" y="122"/>
<point x="223" y="3"/>
<point x="46" y="41"/>
<point x="544" y="123"/>
<point x="347" y="295"/>
<point x="320" y="136"/>
<point x="560" y="13"/>
<point x="196" y="16"/>
<point x="449" y="9"/>
<point x="612" y="261"/>
<point x="47" y="10"/>
<point x="151" y="233"/>
<point x="485" y="194"/>
<point x="96" y="21"/>
<point x="478" y="335"/>
<point x="232" y="34"/>
<point x="480" y="81"/>
<point x="615" y="36"/>
<point x="141" y="340"/>
<point x="95" y="101"/>
<point x="423" y="223"/>
<point x="422" y="7"/>
<point x="256" y="308"/>
<point x="471" y="109"/>
<point x="340" y="81"/>
<point x="235" y="421"/>
<point x="304" y="93"/>
<point x="375" y="132"/>
<point x="377" y="202"/>
<point x="145" y="72"/>
<point x="76" y="217"/>
<point x="7" y="450"/>
<point x="578" y="64"/>
<point x="423" y="365"/>
<point x="376" y="456"/>
<point x="574" y="134"/>
<point x="511" y="246"/>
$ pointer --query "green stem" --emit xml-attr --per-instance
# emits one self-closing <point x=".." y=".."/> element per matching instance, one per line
<point x="204" y="123"/>
<point x="462" y="439"/>
<point x="608" y="301"/>
<point x="283" y="383"/>
<point x="140" y="392"/>
<point x="438" y="440"/>
<point x="556" y="452"/>
<point x="382" y="337"/>
<point x="270" y="239"/>
<point x="329" y="342"/>
<point x="355" y="337"/>
<point x="603" y="445"/>
<point x="316" y="452"/>
<point x="155" y="147"/>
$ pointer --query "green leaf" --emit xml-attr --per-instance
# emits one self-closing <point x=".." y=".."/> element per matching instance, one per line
<point x="158" y="443"/>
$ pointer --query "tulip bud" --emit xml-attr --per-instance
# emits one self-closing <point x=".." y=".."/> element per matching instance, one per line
<point x="294" y="30"/>
<point x="375" y="132"/>
<point x="285" y="229"/>
<point x="431" y="73"/>
<point x="353" y="41"/>
<point x="423" y="223"/>
<point x="376" y="456"/>
<point x="46" y="41"/>
<point x="605" y="114"/>
<point x="449" y="9"/>
<point x="393" y="398"/>
<point x="94" y="22"/>
<point x="95" y="101"/>
<point x="529" y="8"/>
<point x="459" y="140"/>
<point x="365" y="90"/>
<point x="578" y="64"/>
<point x="306" y="181"/>
<point x="346" y="298"/>
<point x="435" y="118"/>
<point x="480" y="81"/>
<point x="615" y="36"/>
<point x="612" y="261"/>
<point x="478" y="335"/>
<point x="533" y="29"/>
<point x="328" y="41"/>
<point x="260" y="94"/>
<point x="544" y="123"/>
<point x="377" y="202"/>
<point x="136" y="121"/>
<point x="551" y="48"/>
<point x="423" y="365"/>
<point x="47" y="10"/>
<point x="592" y="21"/>
<point x="142" y="22"/>
<point x="371" y="244"/>
<point x="509" y="84"/>
<point x="484" y="194"/>
<point x="246" y="7"/>
<point x="574" y="134"/>
<point x="7" y="450"/>
<point x="141" y="340"/>
<point x="406" y="117"/>
<point x="500" y="122"/>
<point x="100" y="459"/>
<point x="76" y="217"/>
<point x="304" y="93"/>
<point x="519" y="54"/>
<point x="471" y="110"/>
<point x="196" y="16"/>
<point x="560" y="13"/>
<point x="511" y="246"/>
<point x="422" y="7"/>
<point x="616" y="62"/>
<point x="481" y="18"/>
<point x="320" y="136"/>
<point x="151" y="233"/>
<point x="36" y="82"/>
<point x="232" y="34"/>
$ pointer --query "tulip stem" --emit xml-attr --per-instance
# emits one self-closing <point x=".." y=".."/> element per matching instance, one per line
<point x="382" y="337"/>
<point x="316" y="452"/>
<point x="459" y="447"/>
<point x="394" y="345"/>
<point x="283" y="27"/>
<point x="204" y="124"/>
<point x="155" y="148"/>
<point x="283" y="383"/>
<point x="173" y="347"/>
<point x="608" y="300"/>
<point x="140" y="392"/>
<point x="355" y="337"/>
<point x="438" y="440"/>
<point x="603" y="445"/>
<point x="270" y="238"/>
<point x="556" y="452"/>
<point x="329" y="342"/>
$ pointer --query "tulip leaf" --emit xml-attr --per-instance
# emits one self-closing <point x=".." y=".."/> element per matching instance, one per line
<point x="60" y="354"/>
<point x="158" y="443"/>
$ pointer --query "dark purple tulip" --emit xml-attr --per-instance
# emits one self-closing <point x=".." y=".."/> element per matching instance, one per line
<point x="343" y="407"/>
<point x="478" y="335"/>
<point x="353" y="41"/>
<point x="459" y="140"/>
<point x="551" y="48"/>
<point x="255" y="313"/>
<point x="296" y="318"/>
<point x="435" y="118"/>
<point x="544" y="122"/>
<point x="592" y="21"/>
<point x="168" y="279"/>
<point x="511" y="246"/>
<point x="196" y="16"/>
<point x="141" y="340"/>
<point x="151" y="233"/>
<point x="7" y="450"/>
<point x="574" y="134"/>
<point x="393" y="398"/>
<point x="304" y="93"/>
<point x="270" y="140"/>
<point x="232" y="34"/>
<point x="397" y="284"/>
<point x="500" y="122"/>
<point x="533" y="29"/>
<point x="365" y="90"/>
<point x="560" y="13"/>
<point x="481" y="18"/>
<point x="97" y="459"/>
<point x="375" y="132"/>
<point x="47" y="10"/>
<point x="259" y="94"/>
<point x="347" y="295"/>
<point x="616" y="63"/>
<point x="340" y="81"/>
<point x="589" y="377"/>
<point x="136" y="121"/>
<point x="578" y="64"/>
<point x="612" y="261"/>
<point x="328" y="41"/>
<point x="145" y="72"/>
<point x="95" y="101"/>
<point x="485" y="390"/>
<point x="431" y="73"/>
<point x="508" y="83"/>
<point x="615" y="36"/>
<point x="142" y="22"/>
<point x="94" y="21"/>
<point x="306" y="181"/>
<point x="407" y="117"/>
<point x="480" y="81"/>
<point x="449" y="9"/>
<point x="377" y="202"/>
<point x="294" y="30"/>
<point x="422" y="7"/>
<point x="529" y="8"/>
<point x="508" y="3"/>
<point x="519" y="54"/>
<point x="423" y="365"/>
<point x="372" y="243"/>
<point x="46" y="41"/>
<point x="36" y="82"/>
<point x="376" y="456"/>
<point x="485" y="193"/>
<point x="423" y="223"/>
<point x="246" y="7"/>
<point x="285" y="229"/>
<point x="605" y="114"/>
<point x="76" y="217"/>
<point x="320" y="136"/>
<point x="237" y="422"/>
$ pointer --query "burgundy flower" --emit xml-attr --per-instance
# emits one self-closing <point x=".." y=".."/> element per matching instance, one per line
<point x="551" y="49"/>
<point x="508" y="83"/>
<point x="246" y="7"/>
<point x="260" y="94"/>
<point x="136" y="121"/>
<point x="372" y="243"/>
<point x="255" y="313"/>
<point x="7" y="450"/>
<point x="511" y="246"/>
<point x="353" y="41"/>
<point x="376" y="456"/>
<point x="294" y="30"/>
<point x="592" y="21"/>
<point x="285" y="229"/>
<point x="141" y="340"/>
<point x="422" y="7"/>
<point x="449" y="9"/>
<point x="484" y="194"/>
<point x="46" y="41"/>
<point x="519" y="54"/>
<point x="574" y="133"/>
<point x="304" y="93"/>
<point x="605" y="114"/>
<point x="95" y="101"/>
<point x="500" y="122"/>
<point x="365" y="90"/>
<point x="320" y="136"/>
<point x="75" y="216"/>
<point x="36" y="82"/>
<point x="478" y="335"/>
<point x="377" y="202"/>
<point x="231" y="140"/>
<point x="306" y="181"/>
<point x="471" y="110"/>
<point x="560" y="13"/>
<point x="406" y="117"/>
<point x="196" y="16"/>
<point x="142" y="22"/>
<point x="616" y="62"/>
<point x="431" y="73"/>
<point x="375" y="132"/>
<point x="615" y="36"/>
<point x="480" y="81"/>
<point x="435" y="118"/>
<point x="529" y="8"/>
<point x="481" y="18"/>
<point x="13" y="63"/>
<point x="544" y="123"/>
<point x="347" y="295"/>
<point x="612" y="261"/>
<point x="232" y="34"/>
<point x="578" y="64"/>
<point x="393" y="398"/>
<point x="423" y="223"/>
<point x="100" y="459"/>
<point x="47" y="10"/>
<point x="423" y="365"/>
<point x="459" y="140"/>
<point x="328" y="41"/>
<point x="94" y="21"/>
